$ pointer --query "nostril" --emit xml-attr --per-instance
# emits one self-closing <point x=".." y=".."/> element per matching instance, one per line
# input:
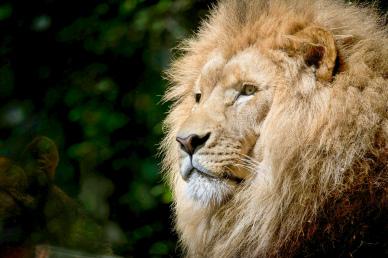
<point x="197" y="140"/>
<point x="185" y="144"/>
<point x="192" y="142"/>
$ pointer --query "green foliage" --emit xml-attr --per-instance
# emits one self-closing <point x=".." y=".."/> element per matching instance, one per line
<point x="5" y="11"/>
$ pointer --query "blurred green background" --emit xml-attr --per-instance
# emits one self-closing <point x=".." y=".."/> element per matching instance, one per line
<point x="88" y="74"/>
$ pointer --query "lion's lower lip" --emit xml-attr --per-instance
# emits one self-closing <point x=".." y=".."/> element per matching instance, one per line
<point x="203" y="173"/>
<point x="189" y="167"/>
<point x="223" y="177"/>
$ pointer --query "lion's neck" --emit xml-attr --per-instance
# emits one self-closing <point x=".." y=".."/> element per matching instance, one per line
<point x="197" y="226"/>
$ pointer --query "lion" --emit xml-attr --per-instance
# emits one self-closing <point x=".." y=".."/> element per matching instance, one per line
<point x="277" y="140"/>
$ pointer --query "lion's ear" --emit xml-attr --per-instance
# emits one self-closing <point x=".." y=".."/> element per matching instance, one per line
<point x="317" y="46"/>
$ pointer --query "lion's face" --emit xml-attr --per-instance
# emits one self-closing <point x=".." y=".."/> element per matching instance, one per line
<point x="220" y="133"/>
<point x="229" y="104"/>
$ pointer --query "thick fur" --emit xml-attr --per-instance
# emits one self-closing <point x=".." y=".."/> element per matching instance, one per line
<point x="322" y="143"/>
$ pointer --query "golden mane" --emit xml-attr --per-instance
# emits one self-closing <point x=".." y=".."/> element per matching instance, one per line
<point x="323" y="148"/>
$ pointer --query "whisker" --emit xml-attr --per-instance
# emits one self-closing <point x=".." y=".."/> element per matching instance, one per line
<point x="249" y="160"/>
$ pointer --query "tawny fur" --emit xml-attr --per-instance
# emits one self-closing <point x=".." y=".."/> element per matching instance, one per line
<point x="319" y="145"/>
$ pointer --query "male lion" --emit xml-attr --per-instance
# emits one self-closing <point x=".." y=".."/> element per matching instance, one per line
<point x="277" y="142"/>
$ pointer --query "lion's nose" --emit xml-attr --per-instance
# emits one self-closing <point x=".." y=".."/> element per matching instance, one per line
<point x="192" y="142"/>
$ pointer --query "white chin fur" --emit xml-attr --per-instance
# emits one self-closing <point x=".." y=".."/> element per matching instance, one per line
<point x="208" y="191"/>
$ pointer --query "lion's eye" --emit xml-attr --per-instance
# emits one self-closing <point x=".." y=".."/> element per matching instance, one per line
<point x="197" y="97"/>
<point x="248" y="89"/>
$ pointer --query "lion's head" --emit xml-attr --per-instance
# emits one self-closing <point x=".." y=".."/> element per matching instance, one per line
<point x="277" y="104"/>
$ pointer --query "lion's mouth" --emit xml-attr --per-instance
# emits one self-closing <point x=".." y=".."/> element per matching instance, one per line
<point x="211" y="176"/>
<point x="190" y="167"/>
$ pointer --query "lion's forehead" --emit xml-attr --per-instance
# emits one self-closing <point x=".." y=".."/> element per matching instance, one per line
<point x="211" y="71"/>
<point x="247" y="65"/>
<point x="215" y="61"/>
